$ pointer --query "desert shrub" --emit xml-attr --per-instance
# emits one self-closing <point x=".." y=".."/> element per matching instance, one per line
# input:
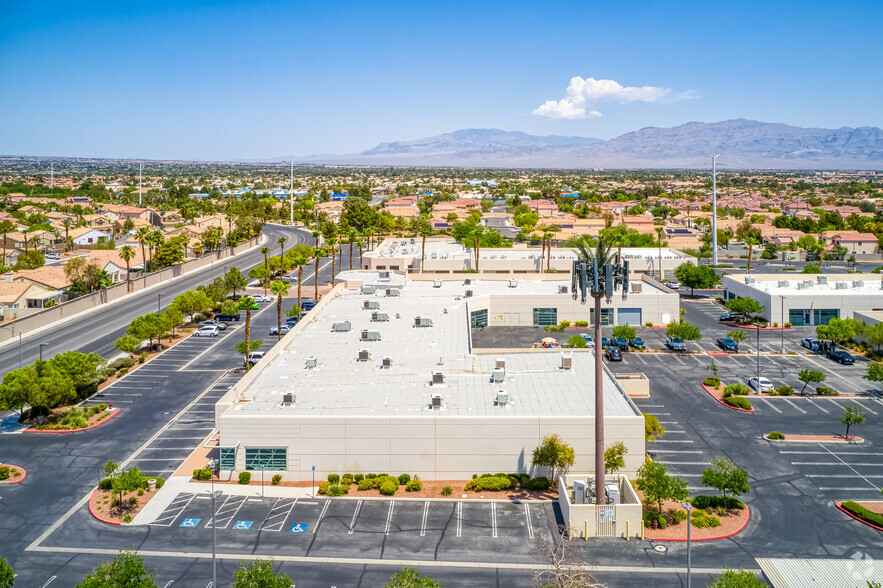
<point x="323" y="487"/>
<point x="784" y="391"/>
<point x="4" y="472"/>
<point x="414" y="485"/>
<point x="346" y="480"/>
<point x="126" y="362"/>
<point x="333" y="478"/>
<point x="648" y="324"/>
<point x="738" y="402"/>
<point x="678" y="516"/>
<point x="140" y="491"/>
<point x="123" y="372"/>
<point x="276" y="479"/>
<point x="380" y="480"/>
<point x="365" y="484"/>
<point x="701" y="520"/>
<point x="107" y="483"/>
<point x="581" y="324"/>
<point x="787" y="325"/>
<point x="202" y="474"/>
<point x="199" y="317"/>
<point x="650" y="516"/>
<point x="370" y="476"/>
<point x="358" y="478"/>
<point x="102" y="406"/>
<point x="863" y="513"/>
<point x="825" y="391"/>
<point x="127" y="518"/>
<point x="404" y="479"/>
<point x="142" y="358"/>
<point x="447" y="491"/>
<point x="537" y="484"/>
<point x="775" y="435"/>
<point x="712" y="382"/>
<point x="736" y="389"/>
<point x="489" y="484"/>
<point x="244" y="477"/>
<point x="133" y="500"/>
<point x="336" y="490"/>
<point x="388" y="488"/>
<point x="701" y="502"/>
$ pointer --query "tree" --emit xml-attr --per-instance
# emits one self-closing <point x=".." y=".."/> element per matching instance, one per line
<point x="127" y="253"/>
<point x="128" y="480"/>
<point x="836" y="330"/>
<point x="299" y="261"/>
<point x="751" y="242"/>
<point x="657" y="486"/>
<point x="738" y="335"/>
<point x="409" y="578"/>
<point x="576" y="342"/>
<point x="15" y="388"/>
<point x="259" y="574"/>
<point x="624" y="332"/>
<point x="79" y="368"/>
<point x="726" y="478"/>
<point x="696" y="276"/>
<point x="281" y="242"/>
<point x="128" y="344"/>
<point x="807" y="375"/>
<point x="7" y="576"/>
<point x="246" y="347"/>
<point x="192" y="302"/>
<point x="266" y="251"/>
<point x="174" y="318"/>
<point x="653" y="429"/>
<point x="874" y="372"/>
<point x="279" y="288"/>
<point x="142" y="235"/>
<point x="127" y="570"/>
<point x="245" y="303"/>
<point x="319" y="253"/>
<point x="51" y="389"/>
<point x="811" y="268"/>
<point x="554" y="454"/>
<point x="30" y="260"/>
<point x="149" y="327"/>
<point x="737" y="579"/>
<point x="744" y="306"/>
<point x="614" y="457"/>
<point x="234" y="280"/>
<point x="853" y="416"/>
<point x="563" y="571"/>
<point x="683" y="330"/>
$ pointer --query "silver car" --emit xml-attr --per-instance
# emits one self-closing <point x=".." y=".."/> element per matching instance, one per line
<point x="221" y="325"/>
<point x="211" y="331"/>
<point x="275" y="330"/>
<point x="760" y="384"/>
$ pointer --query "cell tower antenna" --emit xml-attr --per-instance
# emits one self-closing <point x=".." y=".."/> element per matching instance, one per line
<point x="714" y="208"/>
<point x="140" y="170"/>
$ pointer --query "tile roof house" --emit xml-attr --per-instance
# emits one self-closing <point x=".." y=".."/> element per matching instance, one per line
<point x="22" y="298"/>
<point x="88" y="236"/>
<point x="857" y="243"/>
<point x="50" y="276"/>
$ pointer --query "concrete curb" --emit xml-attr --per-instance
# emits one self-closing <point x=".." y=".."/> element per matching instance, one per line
<point x="872" y="525"/>
<point x="113" y="413"/>
<point x="718" y="537"/>
<point x="24" y="474"/>
<point x="95" y="514"/>
<point x="721" y="402"/>
<point x="822" y="439"/>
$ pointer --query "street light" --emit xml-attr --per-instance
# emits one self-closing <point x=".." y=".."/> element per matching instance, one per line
<point x="159" y="303"/>
<point x="688" y="507"/>
<point x="42" y="345"/>
<point x="215" y="494"/>
<point x="758" y="357"/>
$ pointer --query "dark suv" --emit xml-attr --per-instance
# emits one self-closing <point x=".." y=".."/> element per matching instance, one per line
<point x="613" y="354"/>
<point x="727" y="344"/>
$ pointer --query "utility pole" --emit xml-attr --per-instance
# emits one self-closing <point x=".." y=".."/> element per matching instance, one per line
<point x="51" y="175"/>
<point x="140" y="169"/>
<point x="714" y="209"/>
<point x="291" y="192"/>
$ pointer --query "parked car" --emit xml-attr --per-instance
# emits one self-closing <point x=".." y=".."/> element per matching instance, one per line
<point x="674" y="285"/>
<point x="613" y="354"/>
<point x="292" y="320"/>
<point x="623" y="344"/>
<point x="227" y="318"/>
<point x="675" y="344"/>
<point x="290" y="278"/>
<point x="761" y="384"/>
<point x="53" y="256"/>
<point x="255" y="356"/>
<point x="728" y="316"/>
<point x="211" y="323"/>
<point x="637" y="343"/>
<point x="589" y="341"/>
<point x="727" y="344"/>
<point x="210" y="331"/>
<point x="842" y="357"/>
<point x="307" y="303"/>
<point x="810" y="343"/>
<point x="274" y="330"/>
<point x="262" y="298"/>
<point x="604" y="342"/>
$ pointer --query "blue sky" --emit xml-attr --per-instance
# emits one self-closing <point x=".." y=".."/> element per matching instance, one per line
<point x="218" y="80"/>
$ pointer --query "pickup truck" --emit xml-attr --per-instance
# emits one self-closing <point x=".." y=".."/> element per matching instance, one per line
<point x="675" y="344"/>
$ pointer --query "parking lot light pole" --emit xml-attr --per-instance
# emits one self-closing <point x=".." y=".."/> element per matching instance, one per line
<point x="688" y="507"/>
<point x="214" y="561"/>
<point x="758" y="358"/>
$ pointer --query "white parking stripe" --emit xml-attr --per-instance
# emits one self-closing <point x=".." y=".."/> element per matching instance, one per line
<point x="459" y="519"/>
<point x="392" y="504"/>
<point x="771" y="405"/>
<point x="527" y="518"/>
<point x="827" y="452"/>
<point x="818" y="405"/>
<point x="355" y="517"/>
<point x="788" y="400"/>
<point x="837" y="463"/>
<point x="671" y="441"/>
<point x="867" y="408"/>
<point x="671" y="451"/>
<point x="850" y="467"/>
<point x="321" y="516"/>
<point x="425" y="517"/>
<point x="494" y="519"/>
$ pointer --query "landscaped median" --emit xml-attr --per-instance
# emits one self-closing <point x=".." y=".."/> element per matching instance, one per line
<point x="731" y="396"/>
<point x="869" y="513"/>
<point x="12" y="474"/>
<point x="714" y="521"/>
<point x="74" y="420"/>
<point x="777" y="436"/>
<point x="121" y="495"/>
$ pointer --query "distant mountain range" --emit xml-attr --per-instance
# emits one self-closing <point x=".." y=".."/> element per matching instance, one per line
<point x="740" y="142"/>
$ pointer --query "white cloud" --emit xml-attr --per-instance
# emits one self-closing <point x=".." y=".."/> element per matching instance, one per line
<point x="583" y="93"/>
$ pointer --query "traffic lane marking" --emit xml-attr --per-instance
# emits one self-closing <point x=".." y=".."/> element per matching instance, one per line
<point x="278" y="514"/>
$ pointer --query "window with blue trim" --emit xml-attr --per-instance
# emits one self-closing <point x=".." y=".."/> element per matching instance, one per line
<point x="271" y="459"/>
<point x="228" y="459"/>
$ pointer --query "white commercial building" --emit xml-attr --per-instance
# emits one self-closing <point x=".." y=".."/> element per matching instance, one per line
<point x="381" y="377"/>
<point x="808" y="299"/>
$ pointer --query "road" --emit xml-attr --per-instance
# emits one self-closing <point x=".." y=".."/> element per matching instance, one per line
<point x="95" y="331"/>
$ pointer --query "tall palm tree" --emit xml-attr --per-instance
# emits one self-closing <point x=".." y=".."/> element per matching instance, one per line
<point x="281" y="242"/>
<point x="141" y="235"/>
<point x="35" y="241"/>
<point x="299" y="262"/>
<point x="245" y="303"/>
<point x="280" y="289"/>
<point x="5" y="228"/>
<point x="751" y="242"/>
<point x="24" y="236"/>
<point x="424" y="229"/>
<point x="332" y="252"/>
<point x="476" y="243"/>
<point x="352" y="236"/>
<point x="126" y="254"/>
<point x="318" y="253"/>
<point x="266" y="251"/>
<point x="67" y="223"/>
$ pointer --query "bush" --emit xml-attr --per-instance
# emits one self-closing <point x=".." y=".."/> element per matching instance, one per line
<point x="323" y="487"/>
<point x="447" y="491"/>
<point x="358" y="478"/>
<point x="712" y="382"/>
<point x="701" y="520"/>
<point x="370" y="476"/>
<point x="199" y="317"/>
<point x="736" y="389"/>
<point x="738" y="402"/>
<point x="102" y="406"/>
<point x="244" y="477"/>
<point x="133" y="500"/>
<point x="581" y="324"/>
<point x="142" y="358"/>
<point x="648" y="324"/>
<point x="775" y="435"/>
<point x="388" y="488"/>
<point x="863" y="513"/>
<point x="404" y="479"/>
<point x="784" y="391"/>
<point x="678" y="516"/>
<point x="701" y="502"/>
<point x="787" y="325"/>
<point x="537" y="484"/>
<point x="346" y="480"/>
<point x="4" y="472"/>
<point x="489" y="484"/>
<point x="107" y="483"/>
<point x="123" y="372"/>
<point x="365" y="484"/>
<point x="825" y="391"/>
<point x="336" y="490"/>
<point x="202" y="474"/>
<point x="276" y="479"/>
<point x="333" y="478"/>
<point x="414" y="485"/>
<point x="651" y="516"/>
<point x="127" y="362"/>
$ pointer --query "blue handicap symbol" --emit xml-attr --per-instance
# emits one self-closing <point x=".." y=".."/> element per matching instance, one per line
<point x="190" y="523"/>
<point x="243" y="525"/>
<point x="299" y="528"/>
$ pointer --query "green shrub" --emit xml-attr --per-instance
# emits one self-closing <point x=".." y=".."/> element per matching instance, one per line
<point x="323" y="487"/>
<point x="447" y="491"/>
<point x="825" y="391"/>
<point x="123" y="372"/>
<point x="736" y="389"/>
<point x="107" y="483"/>
<point x="414" y="485"/>
<point x="202" y="474"/>
<point x="102" y="406"/>
<point x="126" y="362"/>
<point x="244" y="477"/>
<point x="370" y="476"/>
<point x="650" y="516"/>
<point x="276" y="479"/>
<point x="784" y="391"/>
<point x="787" y="325"/>
<point x="678" y="516"/>
<point x="4" y="472"/>
<point x="775" y="435"/>
<point x="648" y="324"/>
<point x="738" y="402"/>
<point x="712" y="382"/>
<point x="489" y="484"/>
<point x="358" y="478"/>
<point x="404" y="479"/>
<point x="581" y="324"/>
<point x="333" y="478"/>
<point x="701" y="502"/>
<point x="863" y="513"/>
<point x="701" y="520"/>
<point x="142" y="358"/>
<point x="365" y="484"/>
<point x="336" y="490"/>
<point x="388" y="488"/>
<point x="537" y="484"/>
<point x="133" y="500"/>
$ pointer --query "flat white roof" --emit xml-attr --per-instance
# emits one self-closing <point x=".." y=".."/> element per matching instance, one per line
<point x="342" y="386"/>
<point x="850" y="284"/>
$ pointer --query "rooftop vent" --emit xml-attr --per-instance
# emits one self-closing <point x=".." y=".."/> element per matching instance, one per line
<point x="392" y="292"/>
<point x="422" y="321"/>
<point x="364" y="355"/>
<point x="367" y="290"/>
<point x="637" y="287"/>
<point x="370" y="336"/>
<point x="513" y="283"/>
<point x="500" y="362"/>
<point x="370" y="304"/>
<point x="379" y="317"/>
<point x="384" y="276"/>
<point x="287" y="398"/>
<point x="341" y="327"/>
<point x="468" y="293"/>
<point x="311" y="362"/>
<point x="566" y="362"/>
<point x="749" y="280"/>
<point x="841" y="285"/>
<point x="802" y="285"/>
<point x="387" y="363"/>
<point x="436" y="283"/>
<point x="858" y="284"/>
<point x="502" y="398"/>
<point x="467" y="282"/>
<point x="821" y="279"/>
<point x="783" y="283"/>
<point x="498" y="375"/>
<point x="562" y="289"/>
<point x="438" y="378"/>
<point x="436" y="401"/>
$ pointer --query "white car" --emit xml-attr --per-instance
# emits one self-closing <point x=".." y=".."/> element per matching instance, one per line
<point x="674" y="285"/>
<point x="261" y="298"/>
<point x="275" y="330"/>
<point x="255" y="356"/>
<point x="761" y="384"/>
<point x="210" y="331"/>
<point x="53" y="256"/>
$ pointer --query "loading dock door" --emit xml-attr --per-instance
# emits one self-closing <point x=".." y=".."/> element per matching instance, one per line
<point x="631" y="316"/>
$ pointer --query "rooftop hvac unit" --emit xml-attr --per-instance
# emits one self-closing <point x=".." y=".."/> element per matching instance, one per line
<point x="841" y="285"/>
<point x="749" y="280"/>
<point x="392" y="292"/>
<point x="422" y="321"/>
<point x="502" y="398"/>
<point x="821" y="279"/>
<point x="500" y="362"/>
<point x="367" y="290"/>
<point x="513" y="283"/>
<point x="370" y="304"/>
<point x="858" y="284"/>
<point x="379" y="317"/>
<point x="438" y="378"/>
<point x="387" y="363"/>
<point x="566" y="362"/>
<point x="801" y="286"/>
<point x="579" y="492"/>
<point x="370" y="336"/>
<point x="436" y="401"/>
<point x="436" y="283"/>
<point x="384" y="276"/>
<point x="341" y="327"/>
<point x="498" y="375"/>
<point x="287" y="398"/>
<point x="311" y="362"/>
<point x="783" y="283"/>
<point x="433" y="256"/>
<point x="467" y="282"/>
<point x="562" y="289"/>
<point x="364" y="355"/>
<point x="468" y="293"/>
<point x="637" y="287"/>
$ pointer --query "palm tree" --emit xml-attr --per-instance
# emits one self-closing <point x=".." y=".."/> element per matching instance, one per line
<point x="154" y="239"/>
<point x="659" y="244"/>
<point x="476" y="243"/>
<point x="67" y="223"/>
<point x="280" y="289"/>
<point x="266" y="251"/>
<point x="332" y="252"/>
<point x="299" y="262"/>
<point x="353" y="235"/>
<point x="751" y="242"/>
<point x="281" y="242"/>
<point x="35" y="241"/>
<point x="245" y="303"/>
<point x="126" y="254"/>
<point x="5" y="227"/>
<point x="141" y="235"/>
<point x="318" y="253"/>
<point x="424" y="229"/>
<point x="24" y="236"/>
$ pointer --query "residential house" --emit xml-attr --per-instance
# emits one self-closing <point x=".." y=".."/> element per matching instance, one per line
<point x="23" y="298"/>
<point x="170" y="218"/>
<point x="120" y="225"/>
<point x="98" y="221"/>
<point x="856" y="243"/>
<point x="87" y="236"/>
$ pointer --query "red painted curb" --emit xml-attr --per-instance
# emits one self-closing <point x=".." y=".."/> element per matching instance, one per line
<point x="728" y="535"/>
<point x="98" y="424"/>
<point x="719" y="401"/>
<point x="24" y="474"/>
<point x="95" y="514"/>
<point x="837" y="504"/>
<point x="753" y="327"/>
